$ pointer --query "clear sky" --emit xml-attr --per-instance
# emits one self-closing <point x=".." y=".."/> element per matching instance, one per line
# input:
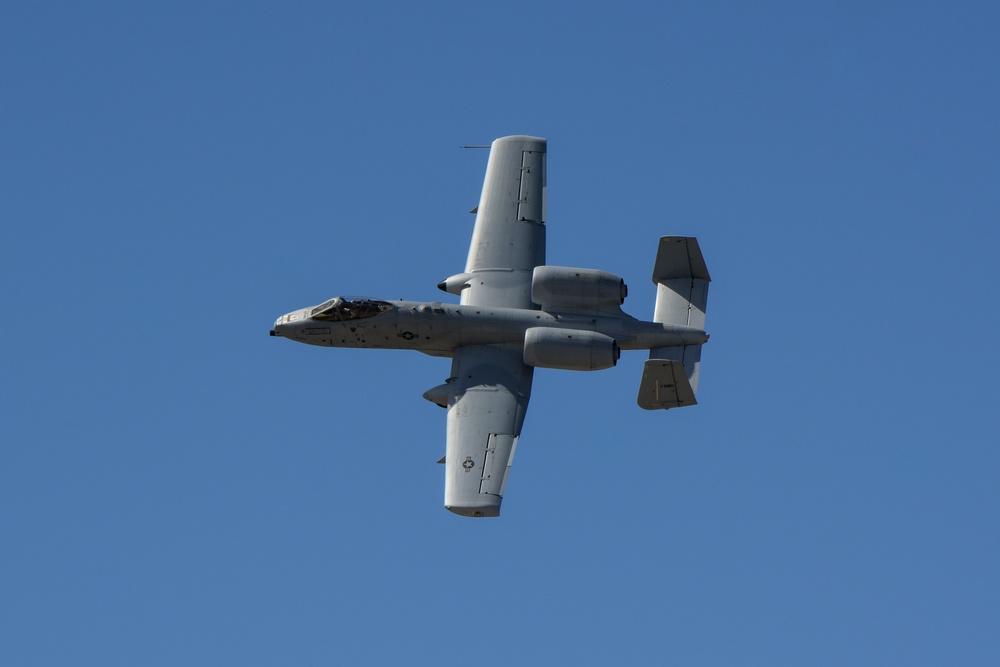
<point x="177" y="488"/>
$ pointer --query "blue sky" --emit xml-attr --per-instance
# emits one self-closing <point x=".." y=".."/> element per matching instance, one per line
<point x="178" y="488"/>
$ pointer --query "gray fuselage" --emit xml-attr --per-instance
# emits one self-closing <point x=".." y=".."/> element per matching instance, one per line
<point x="438" y="329"/>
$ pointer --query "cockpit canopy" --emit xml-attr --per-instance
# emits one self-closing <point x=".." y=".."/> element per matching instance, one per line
<point x="344" y="308"/>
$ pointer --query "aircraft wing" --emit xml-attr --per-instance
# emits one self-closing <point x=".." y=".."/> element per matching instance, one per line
<point x="508" y="241"/>
<point x="490" y="385"/>
<point x="486" y="409"/>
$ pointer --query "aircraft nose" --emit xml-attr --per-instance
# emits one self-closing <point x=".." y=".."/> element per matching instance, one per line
<point x="287" y="325"/>
<point x="278" y="326"/>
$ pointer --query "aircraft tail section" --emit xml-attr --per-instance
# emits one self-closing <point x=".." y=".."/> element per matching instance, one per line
<point x="681" y="278"/>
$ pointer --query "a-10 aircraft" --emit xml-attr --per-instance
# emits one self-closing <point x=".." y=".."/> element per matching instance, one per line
<point x="515" y="315"/>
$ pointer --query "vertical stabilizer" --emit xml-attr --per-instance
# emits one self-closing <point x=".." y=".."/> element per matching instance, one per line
<point x="681" y="278"/>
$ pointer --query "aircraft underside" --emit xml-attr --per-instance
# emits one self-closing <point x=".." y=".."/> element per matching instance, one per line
<point x="517" y="314"/>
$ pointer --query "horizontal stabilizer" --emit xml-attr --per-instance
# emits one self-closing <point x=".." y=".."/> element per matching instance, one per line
<point x="664" y="385"/>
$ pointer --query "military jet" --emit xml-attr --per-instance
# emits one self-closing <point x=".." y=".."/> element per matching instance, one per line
<point x="516" y="314"/>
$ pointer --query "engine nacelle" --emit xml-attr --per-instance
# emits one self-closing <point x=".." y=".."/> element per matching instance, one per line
<point x="569" y="349"/>
<point x="587" y="289"/>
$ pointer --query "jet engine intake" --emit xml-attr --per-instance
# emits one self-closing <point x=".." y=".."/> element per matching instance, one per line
<point x="555" y="287"/>
<point x="569" y="349"/>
